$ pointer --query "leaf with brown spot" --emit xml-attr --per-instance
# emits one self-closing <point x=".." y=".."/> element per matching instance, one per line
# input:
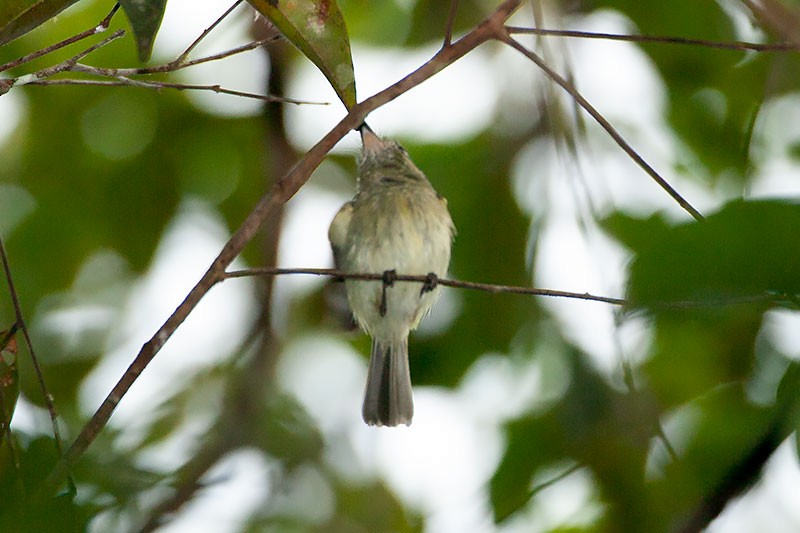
<point x="318" y="29"/>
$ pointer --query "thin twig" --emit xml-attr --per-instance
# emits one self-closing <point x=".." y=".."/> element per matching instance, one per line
<point x="122" y="81"/>
<point x="266" y="206"/>
<point x="20" y="322"/>
<point x="494" y="288"/>
<point x="203" y="35"/>
<point x="604" y="123"/>
<point x="100" y="28"/>
<point x="722" y="45"/>
<point x="552" y="481"/>
<point x="457" y="284"/>
<point x="61" y="67"/>
<point x="451" y="21"/>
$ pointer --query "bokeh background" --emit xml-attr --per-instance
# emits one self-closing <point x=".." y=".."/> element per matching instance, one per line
<point x="532" y="414"/>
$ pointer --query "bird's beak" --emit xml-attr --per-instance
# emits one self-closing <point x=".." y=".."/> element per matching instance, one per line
<point x="372" y="142"/>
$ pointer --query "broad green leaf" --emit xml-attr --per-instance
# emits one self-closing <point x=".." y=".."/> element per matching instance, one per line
<point x="317" y="28"/>
<point x="145" y="18"/>
<point x="746" y="249"/>
<point x="18" y="17"/>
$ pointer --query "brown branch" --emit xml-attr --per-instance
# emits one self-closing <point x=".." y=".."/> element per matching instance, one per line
<point x="7" y="84"/>
<point x="451" y="21"/>
<point x="454" y="283"/>
<point x="272" y="200"/>
<point x="603" y="122"/>
<point x="516" y="289"/>
<point x="722" y="45"/>
<point x="122" y="81"/>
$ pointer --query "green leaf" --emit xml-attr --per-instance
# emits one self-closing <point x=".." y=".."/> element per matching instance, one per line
<point x="746" y="249"/>
<point x="317" y="28"/>
<point x="18" y="17"/>
<point x="145" y="18"/>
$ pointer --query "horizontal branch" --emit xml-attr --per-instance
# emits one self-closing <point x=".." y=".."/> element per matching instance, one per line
<point x="664" y="39"/>
<point x="494" y="288"/>
<point x="122" y="81"/>
<point x="456" y="284"/>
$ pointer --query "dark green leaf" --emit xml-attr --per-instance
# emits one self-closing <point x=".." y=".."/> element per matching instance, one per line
<point x="18" y="17"/>
<point x="145" y="18"/>
<point x="746" y="249"/>
<point x="318" y="29"/>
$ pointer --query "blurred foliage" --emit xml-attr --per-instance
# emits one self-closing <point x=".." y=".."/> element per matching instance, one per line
<point x="92" y="177"/>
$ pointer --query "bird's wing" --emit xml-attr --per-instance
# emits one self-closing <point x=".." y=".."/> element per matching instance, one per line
<point x="337" y="233"/>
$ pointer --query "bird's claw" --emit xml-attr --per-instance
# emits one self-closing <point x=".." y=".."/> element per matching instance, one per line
<point x="389" y="277"/>
<point x="430" y="283"/>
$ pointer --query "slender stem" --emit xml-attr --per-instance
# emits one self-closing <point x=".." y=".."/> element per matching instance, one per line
<point x="185" y="54"/>
<point x="456" y="284"/>
<point x="605" y="124"/>
<point x="451" y="21"/>
<point x="122" y="81"/>
<point x="64" y="65"/>
<point x="723" y="45"/>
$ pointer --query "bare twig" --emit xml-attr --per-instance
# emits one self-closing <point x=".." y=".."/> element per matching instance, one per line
<point x="20" y="323"/>
<point x="61" y="67"/>
<point x="185" y="54"/>
<point x="723" y="45"/>
<point x="122" y="81"/>
<point x="604" y="123"/>
<point x="457" y="284"/>
<point x="451" y="21"/>
<point x="100" y="28"/>
<point x="276" y="197"/>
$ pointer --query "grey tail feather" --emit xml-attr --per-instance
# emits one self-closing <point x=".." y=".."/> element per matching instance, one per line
<point x="388" y="400"/>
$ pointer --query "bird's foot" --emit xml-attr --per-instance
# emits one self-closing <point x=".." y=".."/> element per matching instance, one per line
<point x="430" y="283"/>
<point x="389" y="277"/>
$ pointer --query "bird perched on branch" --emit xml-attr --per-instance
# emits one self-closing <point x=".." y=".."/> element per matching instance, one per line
<point x="396" y="224"/>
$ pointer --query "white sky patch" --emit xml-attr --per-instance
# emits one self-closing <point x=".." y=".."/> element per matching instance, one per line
<point x="12" y="111"/>
<point x="236" y="488"/>
<point x="773" y="504"/>
<point x="184" y="20"/>
<point x="209" y="335"/>
<point x="454" y="104"/>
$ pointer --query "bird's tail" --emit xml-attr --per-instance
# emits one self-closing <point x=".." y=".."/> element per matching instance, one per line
<point x="388" y="400"/>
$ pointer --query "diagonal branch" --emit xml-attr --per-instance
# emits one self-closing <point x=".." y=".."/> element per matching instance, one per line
<point x="271" y="201"/>
<point x="604" y="123"/>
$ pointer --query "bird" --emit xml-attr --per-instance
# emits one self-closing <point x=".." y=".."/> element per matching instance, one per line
<point x="395" y="224"/>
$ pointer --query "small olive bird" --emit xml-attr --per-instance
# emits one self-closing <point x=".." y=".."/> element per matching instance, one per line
<point x="396" y="224"/>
